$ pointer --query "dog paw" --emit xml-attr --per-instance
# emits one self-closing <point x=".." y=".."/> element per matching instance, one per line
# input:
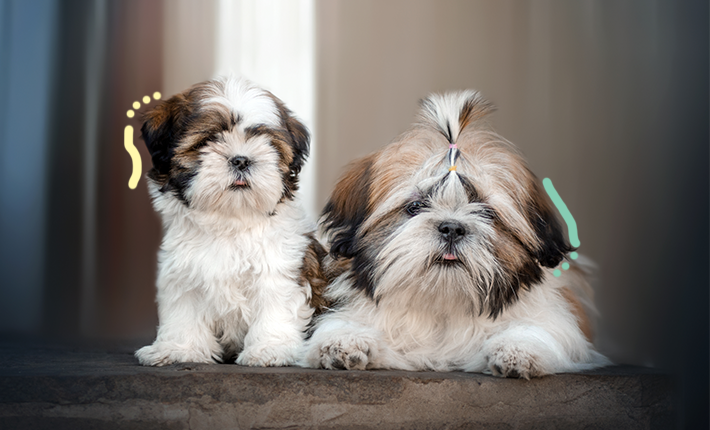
<point x="511" y="361"/>
<point x="346" y="354"/>
<point x="164" y="353"/>
<point x="266" y="356"/>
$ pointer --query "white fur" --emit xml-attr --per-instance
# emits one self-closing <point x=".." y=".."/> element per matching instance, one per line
<point x="427" y="316"/>
<point x="230" y="259"/>
<point x="230" y="284"/>
<point x="443" y="110"/>
<point x="537" y="335"/>
<point x="248" y="100"/>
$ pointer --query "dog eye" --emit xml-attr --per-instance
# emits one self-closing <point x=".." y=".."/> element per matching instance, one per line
<point x="487" y="213"/>
<point x="413" y="208"/>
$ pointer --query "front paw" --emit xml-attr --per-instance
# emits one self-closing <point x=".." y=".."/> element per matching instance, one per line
<point x="350" y="353"/>
<point x="512" y="361"/>
<point x="164" y="353"/>
<point x="266" y="356"/>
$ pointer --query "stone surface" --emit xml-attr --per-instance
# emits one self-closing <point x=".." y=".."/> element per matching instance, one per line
<point x="65" y="387"/>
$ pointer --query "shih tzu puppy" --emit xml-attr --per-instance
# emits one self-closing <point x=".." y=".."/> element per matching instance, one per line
<point x="238" y="268"/>
<point x="445" y="242"/>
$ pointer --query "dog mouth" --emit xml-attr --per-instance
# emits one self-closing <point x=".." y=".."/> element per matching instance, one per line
<point x="448" y="258"/>
<point x="239" y="183"/>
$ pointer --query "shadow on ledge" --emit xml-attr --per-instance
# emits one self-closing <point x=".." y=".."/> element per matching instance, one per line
<point x="78" y="387"/>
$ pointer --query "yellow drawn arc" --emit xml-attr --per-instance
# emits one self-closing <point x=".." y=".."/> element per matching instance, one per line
<point x="135" y="157"/>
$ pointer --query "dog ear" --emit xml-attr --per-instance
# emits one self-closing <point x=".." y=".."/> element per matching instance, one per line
<point x="300" y="143"/>
<point x="163" y="127"/>
<point x="348" y="207"/>
<point x="543" y="218"/>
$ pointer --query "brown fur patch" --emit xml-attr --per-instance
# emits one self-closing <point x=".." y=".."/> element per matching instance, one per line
<point x="521" y="270"/>
<point x="348" y="207"/>
<point x="177" y="128"/>
<point x="473" y="110"/>
<point x="395" y="163"/>
<point x="335" y="267"/>
<point x="293" y="145"/>
<point x="312" y="271"/>
<point x="279" y="140"/>
<point x="162" y="126"/>
<point x="583" y="320"/>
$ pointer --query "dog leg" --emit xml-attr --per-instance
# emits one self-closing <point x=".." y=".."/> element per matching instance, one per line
<point x="276" y="334"/>
<point x="183" y="335"/>
<point x="340" y="344"/>
<point x="523" y="351"/>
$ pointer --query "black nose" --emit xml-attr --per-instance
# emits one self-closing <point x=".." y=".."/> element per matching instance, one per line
<point x="452" y="230"/>
<point x="240" y="163"/>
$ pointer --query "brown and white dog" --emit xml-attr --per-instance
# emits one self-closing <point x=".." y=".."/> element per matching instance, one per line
<point x="445" y="242"/>
<point x="238" y="268"/>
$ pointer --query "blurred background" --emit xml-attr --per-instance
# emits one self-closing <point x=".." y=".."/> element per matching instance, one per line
<point x="608" y="99"/>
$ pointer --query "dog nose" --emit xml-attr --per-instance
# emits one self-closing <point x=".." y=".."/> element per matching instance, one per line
<point x="452" y="230"/>
<point x="240" y="163"/>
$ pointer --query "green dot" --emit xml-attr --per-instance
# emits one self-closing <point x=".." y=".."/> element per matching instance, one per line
<point x="573" y="256"/>
<point x="565" y="265"/>
<point x="557" y="273"/>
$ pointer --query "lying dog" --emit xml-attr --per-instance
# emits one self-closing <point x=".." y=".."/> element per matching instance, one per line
<point x="445" y="243"/>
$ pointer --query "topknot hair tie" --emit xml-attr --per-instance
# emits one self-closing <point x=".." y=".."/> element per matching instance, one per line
<point x="453" y="156"/>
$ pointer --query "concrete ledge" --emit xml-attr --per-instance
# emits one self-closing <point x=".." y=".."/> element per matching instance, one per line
<point x="45" y="387"/>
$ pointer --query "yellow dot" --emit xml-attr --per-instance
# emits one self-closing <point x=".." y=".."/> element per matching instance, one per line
<point x="156" y="95"/>
<point x="130" y="113"/>
<point x="146" y="100"/>
<point x="136" y="105"/>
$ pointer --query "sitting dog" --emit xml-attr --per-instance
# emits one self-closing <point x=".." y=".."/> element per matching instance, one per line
<point x="238" y="268"/>
<point x="444" y="242"/>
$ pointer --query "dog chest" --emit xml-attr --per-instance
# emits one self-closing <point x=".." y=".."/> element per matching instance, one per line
<point x="236" y="257"/>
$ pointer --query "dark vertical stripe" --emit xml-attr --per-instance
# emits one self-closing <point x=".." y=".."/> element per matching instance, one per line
<point x="64" y="223"/>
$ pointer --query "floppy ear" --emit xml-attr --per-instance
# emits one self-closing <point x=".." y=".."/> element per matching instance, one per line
<point x="348" y="207"/>
<point x="163" y="127"/>
<point x="299" y="138"/>
<point x="543" y="217"/>
<point x="300" y="143"/>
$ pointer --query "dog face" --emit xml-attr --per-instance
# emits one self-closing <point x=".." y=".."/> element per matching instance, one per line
<point x="225" y="146"/>
<point x="449" y="210"/>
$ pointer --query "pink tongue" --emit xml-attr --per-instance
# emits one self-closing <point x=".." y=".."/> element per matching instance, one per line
<point x="450" y="257"/>
<point x="238" y="182"/>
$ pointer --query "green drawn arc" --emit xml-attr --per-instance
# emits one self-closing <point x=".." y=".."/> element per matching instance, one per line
<point x="562" y="207"/>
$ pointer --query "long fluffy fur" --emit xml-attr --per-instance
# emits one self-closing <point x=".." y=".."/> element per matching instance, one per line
<point x="413" y="295"/>
<point x="238" y="257"/>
